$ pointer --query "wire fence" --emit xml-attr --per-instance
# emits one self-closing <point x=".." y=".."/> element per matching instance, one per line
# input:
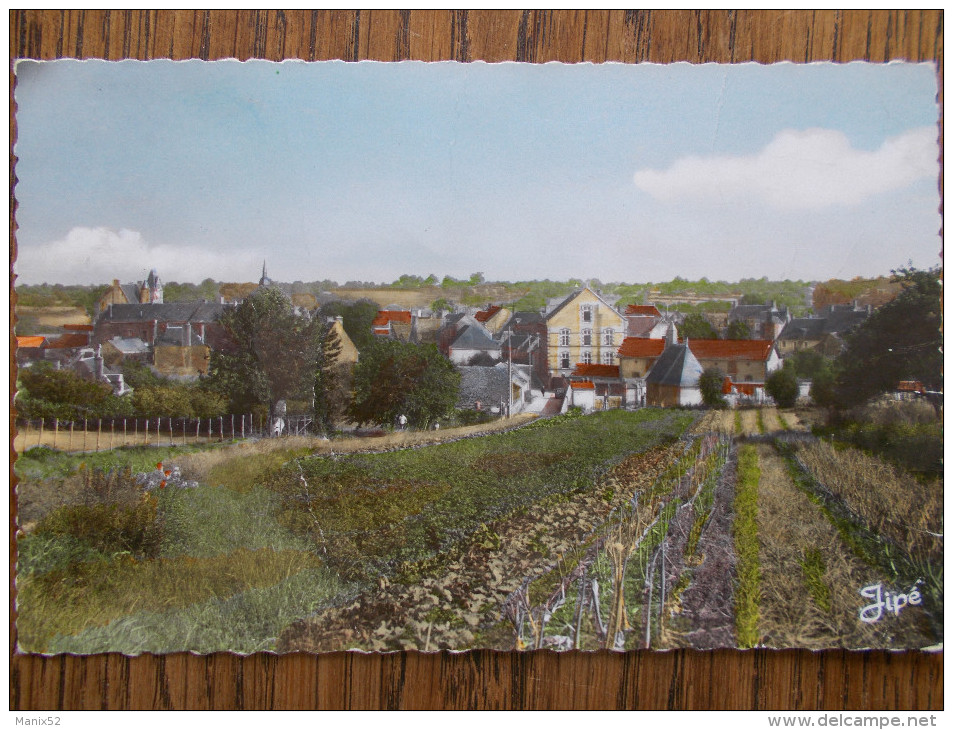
<point x="101" y="434"/>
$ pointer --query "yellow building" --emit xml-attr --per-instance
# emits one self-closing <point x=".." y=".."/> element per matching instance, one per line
<point x="583" y="328"/>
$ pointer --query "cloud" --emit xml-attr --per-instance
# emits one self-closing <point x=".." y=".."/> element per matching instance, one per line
<point x="98" y="255"/>
<point x="808" y="169"/>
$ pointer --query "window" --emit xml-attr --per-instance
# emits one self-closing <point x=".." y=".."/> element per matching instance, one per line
<point x="564" y="337"/>
<point x="564" y="360"/>
<point x="586" y="312"/>
<point x="587" y="337"/>
<point x="608" y="358"/>
<point x="607" y="336"/>
<point x="587" y="357"/>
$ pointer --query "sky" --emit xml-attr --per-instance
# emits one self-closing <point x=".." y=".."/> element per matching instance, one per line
<point x="367" y="171"/>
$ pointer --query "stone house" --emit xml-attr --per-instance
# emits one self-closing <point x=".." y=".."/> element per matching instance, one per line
<point x="582" y="328"/>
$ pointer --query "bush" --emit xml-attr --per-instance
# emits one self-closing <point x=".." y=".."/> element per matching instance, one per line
<point x="782" y="386"/>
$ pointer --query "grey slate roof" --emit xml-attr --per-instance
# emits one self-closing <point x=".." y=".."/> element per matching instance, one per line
<point x="131" y="291"/>
<point x="474" y="337"/>
<point x="129" y="345"/>
<point x="676" y="366"/>
<point x="173" y="312"/>
<point x="488" y="384"/>
<point x="803" y="328"/>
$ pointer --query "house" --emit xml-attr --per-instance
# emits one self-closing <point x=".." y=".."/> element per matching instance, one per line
<point x="178" y="354"/>
<point x="744" y="361"/>
<point x="485" y="388"/>
<point x="674" y="378"/>
<point x="473" y="341"/>
<point x="582" y="328"/>
<point x="90" y="365"/>
<point x="149" y="291"/>
<point x="765" y="321"/>
<point x="600" y="384"/>
<point x="823" y="333"/>
<point x="150" y="321"/>
<point x="637" y="355"/>
<point x="640" y="319"/>
<point x="348" y="354"/>
<point x="523" y="338"/>
<point x="392" y="324"/>
<point x="493" y="318"/>
<point x="122" y="349"/>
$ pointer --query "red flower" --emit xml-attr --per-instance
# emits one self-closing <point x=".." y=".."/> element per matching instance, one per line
<point x="162" y="484"/>
<point x="159" y="465"/>
<point x="168" y="472"/>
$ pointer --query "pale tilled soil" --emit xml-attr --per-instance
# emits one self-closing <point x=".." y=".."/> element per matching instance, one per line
<point x="789" y="526"/>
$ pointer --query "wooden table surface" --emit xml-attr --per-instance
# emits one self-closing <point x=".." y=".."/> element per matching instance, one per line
<point x="761" y="680"/>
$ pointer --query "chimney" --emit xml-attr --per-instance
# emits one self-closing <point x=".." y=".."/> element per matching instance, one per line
<point x="187" y="330"/>
<point x="98" y="360"/>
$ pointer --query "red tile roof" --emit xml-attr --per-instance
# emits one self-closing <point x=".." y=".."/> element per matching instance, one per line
<point x="910" y="386"/>
<point x="78" y="327"/>
<point x="731" y="349"/>
<point x="67" y="341"/>
<point x="486" y="314"/>
<point x="645" y="310"/>
<point x="596" y="371"/>
<point x="386" y="316"/>
<point x="583" y="385"/>
<point x="641" y="347"/>
<point x="30" y="341"/>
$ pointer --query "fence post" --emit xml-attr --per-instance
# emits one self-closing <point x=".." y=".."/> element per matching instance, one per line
<point x="233" y="427"/>
<point x="99" y="433"/>
<point x="124" y="432"/>
<point x="39" y="440"/>
<point x="69" y="444"/>
<point x="147" y="432"/>
<point x="243" y="425"/>
<point x="85" y="430"/>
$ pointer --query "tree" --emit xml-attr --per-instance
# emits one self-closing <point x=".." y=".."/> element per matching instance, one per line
<point x="696" y="327"/>
<point x="274" y="354"/>
<point x="356" y="318"/>
<point x="808" y="363"/>
<point x="823" y="387"/>
<point x="396" y="378"/>
<point x="442" y="304"/>
<point x="899" y="341"/>
<point x="782" y="386"/>
<point x="476" y="278"/>
<point x="738" y="330"/>
<point x="47" y="393"/>
<point x="710" y="383"/>
<point x="330" y="398"/>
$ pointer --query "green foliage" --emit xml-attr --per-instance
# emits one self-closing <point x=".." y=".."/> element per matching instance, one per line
<point x="187" y="292"/>
<point x="807" y="363"/>
<point x="813" y="567"/>
<point x="275" y="356"/>
<point x="915" y="447"/>
<point x="330" y="399"/>
<point x="48" y="393"/>
<point x="782" y="386"/>
<point x="115" y="516"/>
<point x="738" y="330"/>
<point x="441" y="304"/>
<point x="696" y="327"/>
<point x="900" y="341"/>
<point x="397" y="378"/>
<point x="371" y="513"/>
<point x="748" y="590"/>
<point x="59" y="295"/>
<point x="710" y="383"/>
<point x="357" y="318"/>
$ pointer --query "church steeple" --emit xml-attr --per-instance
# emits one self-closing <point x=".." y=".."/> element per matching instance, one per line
<point x="264" y="281"/>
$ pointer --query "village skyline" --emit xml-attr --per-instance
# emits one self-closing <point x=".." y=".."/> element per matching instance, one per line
<point x="369" y="171"/>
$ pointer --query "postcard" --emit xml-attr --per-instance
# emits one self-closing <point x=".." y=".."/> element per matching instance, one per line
<point x="450" y="356"/>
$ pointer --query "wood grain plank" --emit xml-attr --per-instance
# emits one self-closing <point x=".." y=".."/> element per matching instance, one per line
<point x="488" y="680"/>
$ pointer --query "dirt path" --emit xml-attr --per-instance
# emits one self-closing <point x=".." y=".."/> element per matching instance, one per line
<point x="810" y="580"/>
<point x="463" y="596"/>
